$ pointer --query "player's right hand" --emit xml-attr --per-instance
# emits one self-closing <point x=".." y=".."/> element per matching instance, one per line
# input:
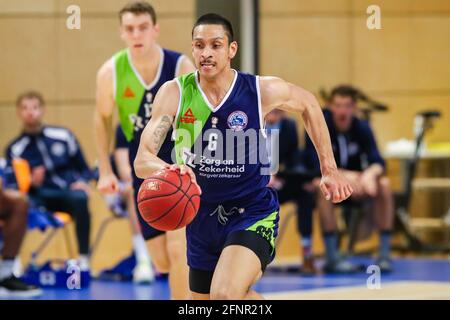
<point x="108" y="183"/>
<point x="184" y="169"/>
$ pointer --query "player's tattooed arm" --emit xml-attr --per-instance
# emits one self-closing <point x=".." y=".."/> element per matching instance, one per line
<point x="164" y="109"/>
<point x="160" y="133"/>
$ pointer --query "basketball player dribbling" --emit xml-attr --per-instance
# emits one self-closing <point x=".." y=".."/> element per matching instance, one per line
<point x="130" y="80"/>
<point x="231" y="240"/>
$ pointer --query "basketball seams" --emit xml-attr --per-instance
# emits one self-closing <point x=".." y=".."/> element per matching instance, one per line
<point x="184" y="193"/>
<point x="167" y="212"/>
<point x="190" y="197"/>
<point x="187" y="203"/>
<point x="182" y="216"/>
<point x="184" y="210"/>
<point x="169" y="182"/>
<point x="181" y="183"/>
<point x="158" y="196"/>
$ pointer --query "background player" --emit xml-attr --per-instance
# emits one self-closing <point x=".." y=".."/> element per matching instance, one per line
<point x="229" y="247"/>
<point x="130" y="79"/>
<point x="123" y="204"/>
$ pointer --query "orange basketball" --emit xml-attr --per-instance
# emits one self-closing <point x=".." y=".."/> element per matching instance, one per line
<point x="168" y="201"/>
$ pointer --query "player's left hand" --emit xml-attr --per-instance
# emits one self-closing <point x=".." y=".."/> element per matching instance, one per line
<point x="335" y="187"/>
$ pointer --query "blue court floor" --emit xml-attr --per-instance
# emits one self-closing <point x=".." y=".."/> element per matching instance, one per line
<point x="415" y="270"/>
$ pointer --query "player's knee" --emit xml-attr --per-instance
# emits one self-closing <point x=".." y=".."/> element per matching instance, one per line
<point x="127" y="191"/>
<point x="161" y="263"/>
<point x="78" y="198"/>
<point x="19" y="200"/>
<point x="22" y="202"/>
<point x="79" y="201"/>
<point x="176" y="250"/>
<point x="82" y="196"/>
<point x="159" y="255"/>
<point x="385" y="184"/>
<point x="226" y="291"/>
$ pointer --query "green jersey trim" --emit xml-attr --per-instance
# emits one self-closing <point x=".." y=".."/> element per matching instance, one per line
<point x="265" y="228"/>
<point x="210" y="106"/>
<point x="192" y="114"/>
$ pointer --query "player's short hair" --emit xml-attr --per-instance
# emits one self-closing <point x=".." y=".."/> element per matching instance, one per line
<point x="345" y="91"/>
<point x="31" y="94"/>
<point x="213" y="18"/>
<point x="138" y="7"/>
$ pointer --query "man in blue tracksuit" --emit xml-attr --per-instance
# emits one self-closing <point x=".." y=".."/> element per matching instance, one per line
<point x="59" y="173"/>
<point x="359" y="159"/>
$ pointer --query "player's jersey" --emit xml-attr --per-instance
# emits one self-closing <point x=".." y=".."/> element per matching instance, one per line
<point x="134" y="98"/>
<point x="224" y="145"/>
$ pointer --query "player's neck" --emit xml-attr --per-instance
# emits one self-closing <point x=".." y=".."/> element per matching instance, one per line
<point x="218" y="87"/>
<point x="33" y="129"/>
<point x="146" y="59"/>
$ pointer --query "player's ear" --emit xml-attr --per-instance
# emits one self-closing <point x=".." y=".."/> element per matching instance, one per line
<point x="157" y="29"/>
<point x="232" y="50"/>
<point x="42" y="111"/>
<point x="121" y="32"/>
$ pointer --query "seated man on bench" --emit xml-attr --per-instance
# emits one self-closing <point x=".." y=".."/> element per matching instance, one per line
<point x="359" y="159"/>
<point x="59" y="173"/>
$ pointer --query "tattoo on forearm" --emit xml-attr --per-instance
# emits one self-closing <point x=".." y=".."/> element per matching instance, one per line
<point x="161" y="132"/>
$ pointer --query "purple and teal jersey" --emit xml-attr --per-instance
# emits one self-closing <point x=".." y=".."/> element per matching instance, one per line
<point x="224" y="145"/>
<point x="227" y="149"/>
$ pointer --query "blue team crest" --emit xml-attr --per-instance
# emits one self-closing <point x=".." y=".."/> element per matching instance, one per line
<point x="237" y="121"/>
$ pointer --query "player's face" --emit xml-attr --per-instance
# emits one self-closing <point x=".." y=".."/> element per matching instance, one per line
<point x="343" y="108"/>
<point x="138" y="32"/>
<point x="211" y="49"/>
<point x="30" y="112"/>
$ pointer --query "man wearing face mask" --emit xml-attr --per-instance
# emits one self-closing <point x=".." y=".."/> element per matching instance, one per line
<point x="359" y="160"/>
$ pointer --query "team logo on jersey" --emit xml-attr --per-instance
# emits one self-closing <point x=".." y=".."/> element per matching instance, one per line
<point x="149" y="97"/>
<point x="214" y="121"/>
<point x="188" y="117"/>
<point x="58" y="149"/>
<point x="128" y="93"/>
<point x="237" y="121"/>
